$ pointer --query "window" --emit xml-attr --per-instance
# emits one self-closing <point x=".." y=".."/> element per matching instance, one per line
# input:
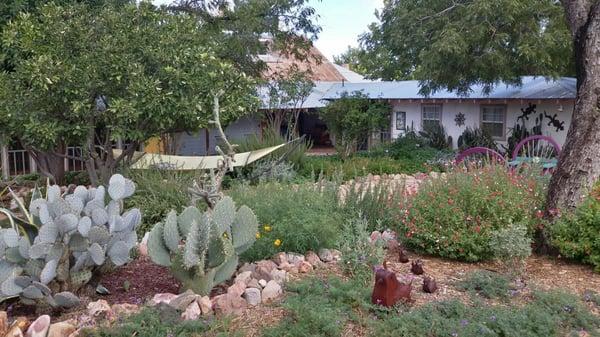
<point x="401" y="120"/>
<point x="431" y="115"/>
<point x="493" y="118"/>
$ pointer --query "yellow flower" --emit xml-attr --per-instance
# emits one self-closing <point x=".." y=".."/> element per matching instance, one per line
<point x="257" y="235"/>
<point x="267" y="228"/>
<point x="277" y="243"/>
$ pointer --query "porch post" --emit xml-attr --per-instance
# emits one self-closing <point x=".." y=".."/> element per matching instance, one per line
<point x="32" y="165"/>
<point x="4" y="161"/>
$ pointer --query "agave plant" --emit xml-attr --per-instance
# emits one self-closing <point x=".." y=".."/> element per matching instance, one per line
<point x="77" y="236"/>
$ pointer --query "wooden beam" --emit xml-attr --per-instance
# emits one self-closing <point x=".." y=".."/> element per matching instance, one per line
<point x="4" y="162"/>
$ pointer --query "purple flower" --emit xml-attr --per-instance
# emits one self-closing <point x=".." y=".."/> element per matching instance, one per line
<point x="464" y="322"/>
<point x="493" y="318"/>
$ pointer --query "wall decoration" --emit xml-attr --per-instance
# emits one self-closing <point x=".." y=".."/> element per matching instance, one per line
<point x="460" y="119"/>
<point x="400" y="120"/>
<point x="554" y="122"/>
<point x="526" y="112"/>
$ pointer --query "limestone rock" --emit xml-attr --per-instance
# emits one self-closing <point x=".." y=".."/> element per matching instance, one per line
<point x="3" y="323"/>
<point x="305" y="267"/>
<point x="237" y="289"/>
<point x="99" y="308"/>
<point x="227" y="304"/>
<point x="290" y="268"/>
<point x="312" y="258"/>
<point x="125" y="309"/>
<point x="39" y="327"/>
<point x="14" y="332"/>
<point x="61" y="329"/>
<point x="280" y="258"/>
<point x="253" y="283"/>
<point x="252" y="296"/>
<point x="337" y="255"/>
<point x="279" y="276"/>
<point x="182" y="301"/>
<point x="325" y="255"/>
<point x="192" y="312"/>
<point x="262" y="283"/>
<point x="205" y="305"/>
<point x="162" y="298"/>
<point x="263" y="269"/>
<point x="247" y="267"/>
<point x="271" y="291"/>
<point x="295" y="259"/>
<point x="244" y="277"/>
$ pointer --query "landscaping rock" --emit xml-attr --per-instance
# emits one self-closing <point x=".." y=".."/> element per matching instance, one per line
<point x="143" y="245"/>
<point x="227" y="304"/>
<point x="263" y="269"/>
<point x="162" y="298"/>
<point x="290" y="268"/>
<point x="61" y="329"/>
<point x="125" y="309"/>
<point x="312" y="258"/>
<point x="205" y="305"/>
<point x="325" y="255"/>
<point x="280" y="258"/>
<point x="14" y="332"/>
<point x="192" y="312"/>
<point x="182" y="301"/>
<point x="337" y="255"/>
<point x="271" y="291"/>
<point x="39" y="327"/>
<point x="252" y="296"/>
<point x="247" y="267"/>
<point x="374" y="237"/>
<point x="253" y="283"/>
<point x="295" y="259"/>
<point x="237" y="289"/>
<point x="244" y="277"/>
<point x="20" y="322"/>
<point x="3" y="323"/>
<point x="262" y="283"/>
<point x="279" y="276"/>
<point x="99" y="308"/>
<point x="305" y="267"/>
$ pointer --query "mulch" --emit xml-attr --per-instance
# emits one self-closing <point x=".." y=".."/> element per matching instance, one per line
<point x="144" y="280"/>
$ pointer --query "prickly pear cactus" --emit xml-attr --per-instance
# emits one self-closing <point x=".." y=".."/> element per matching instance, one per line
<point x="77" y="234"/>
<point x="202" y="248"/>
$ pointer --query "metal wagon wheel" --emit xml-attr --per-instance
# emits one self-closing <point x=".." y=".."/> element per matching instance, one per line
<point x="536" y="150"/>
<point x="479" y="156"/>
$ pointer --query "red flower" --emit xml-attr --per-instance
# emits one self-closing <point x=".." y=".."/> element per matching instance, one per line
<point x="539" y="214"/>
<point x="477" y="229"/>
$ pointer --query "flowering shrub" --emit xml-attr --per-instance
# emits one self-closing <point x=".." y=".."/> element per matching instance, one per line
<point x="456" y="217"/>
<point x="577" y="234"/>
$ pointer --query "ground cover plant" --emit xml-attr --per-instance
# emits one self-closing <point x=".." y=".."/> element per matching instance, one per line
<point x="293" y="218"/>
<point x="576" y="234"/>
<point x="456" y="217"/>
<point x="486" y="283"/>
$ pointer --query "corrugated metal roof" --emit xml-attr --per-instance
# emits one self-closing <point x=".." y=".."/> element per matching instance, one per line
<point x="349" y="75"/>
<point x="531" y="88"/>
<point x="314" y="100"/>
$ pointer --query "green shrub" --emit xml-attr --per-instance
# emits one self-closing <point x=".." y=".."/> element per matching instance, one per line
<point x="577" y="234"/>
<point x="158" y="192"/>
<point x="486" y="283"/>
<point x="333" y="167"/>
<point x="473" y="137"/>
<point x="150" y="322"/>
<point x="457" y="216"/>
<point x="551" y="314"/>
<point x="359" y="255"/>
<point x="511" y="246"/>
<point x="300" y="217"/>
<point x="436" y="136"/>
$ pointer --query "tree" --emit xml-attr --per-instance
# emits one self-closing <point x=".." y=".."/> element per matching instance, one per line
<point x="243" y="26"/>
<point x="354" y="117"/>
<point x="89" y="79"/>
<point x="454" y="44"/>
<point x="354" y="58"/>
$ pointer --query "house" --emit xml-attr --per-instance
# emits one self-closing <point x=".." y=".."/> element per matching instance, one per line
<point x="496" y="112"/>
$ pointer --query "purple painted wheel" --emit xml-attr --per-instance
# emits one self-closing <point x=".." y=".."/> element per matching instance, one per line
<point x="537" y="146"/>
<point x="479" y="152"/>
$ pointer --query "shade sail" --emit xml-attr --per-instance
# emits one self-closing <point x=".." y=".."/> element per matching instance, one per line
<point x="144" y="161"/>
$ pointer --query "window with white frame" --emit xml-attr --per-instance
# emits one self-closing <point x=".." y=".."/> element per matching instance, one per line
<point x="493" y="120"/>
<point x="431" y="115"/>
<point x="401" y="120"/>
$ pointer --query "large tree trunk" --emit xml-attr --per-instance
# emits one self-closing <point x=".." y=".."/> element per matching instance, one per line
<point x="579" y="162"/>
<point x="50" y="163"/>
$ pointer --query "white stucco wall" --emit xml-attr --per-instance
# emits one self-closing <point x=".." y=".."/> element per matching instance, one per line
<point x="472" y="111"/>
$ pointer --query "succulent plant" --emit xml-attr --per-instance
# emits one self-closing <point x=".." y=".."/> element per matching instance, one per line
<point x="202" y="249"/>
<point x="77" y="235"/>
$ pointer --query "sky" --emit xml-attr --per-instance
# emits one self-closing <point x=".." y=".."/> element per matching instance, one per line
<point x="342" y="22"/>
